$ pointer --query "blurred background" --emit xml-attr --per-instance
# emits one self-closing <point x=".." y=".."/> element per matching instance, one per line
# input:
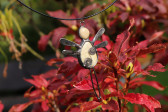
<point x="24" y="51"/>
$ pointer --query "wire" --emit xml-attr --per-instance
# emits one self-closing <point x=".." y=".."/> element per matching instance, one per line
<point x="93" y="84"/>
<point x="86" y="17"/>
<point x="97" y="84"/>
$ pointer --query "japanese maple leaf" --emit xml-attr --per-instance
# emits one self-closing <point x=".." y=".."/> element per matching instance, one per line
<point x="84" y="85"/>
<point x="68" y="66"/>
<point x="147" y="101"/>
<point x="1" y="106"/>
<point x="38" y="81"/>
<point x="117" y="52"/>
<point x="41" y="94"/>
<point x="22" y="107"/>
<point x="111" y="105"/>
<point x="155" y="67"/>
<point x="134" y="83"/>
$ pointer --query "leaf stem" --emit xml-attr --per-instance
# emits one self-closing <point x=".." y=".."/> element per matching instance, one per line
<point x="31" y="50"/>
<point x="6" y="62"/>
<point x="126" y="91"/>
<point x="117" y="86"/>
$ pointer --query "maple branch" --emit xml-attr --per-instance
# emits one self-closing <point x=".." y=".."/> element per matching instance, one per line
<point x="55" y="107"/>
<point x="117" y="86"/>
<point x="126" y="91"/>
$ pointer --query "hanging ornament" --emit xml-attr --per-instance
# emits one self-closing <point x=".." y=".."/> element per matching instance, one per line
<point x="86" y="50"/>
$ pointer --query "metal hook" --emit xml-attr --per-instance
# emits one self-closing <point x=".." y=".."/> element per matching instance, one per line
<point x="82" y="22"/>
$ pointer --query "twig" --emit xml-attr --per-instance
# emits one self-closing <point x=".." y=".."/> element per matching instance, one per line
<point x="31" y="50"/>
<point x="117" y="87"/>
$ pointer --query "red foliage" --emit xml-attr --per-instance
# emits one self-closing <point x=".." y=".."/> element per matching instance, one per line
<point x="140" y="81"/>
<point x="120" y="66"/>
<point x="71" y="83"/>
<point x="1" y="107"/>
<point x="111" y="106"/>
<point x="38" y="81"/>
<point x="157" y="67"/>
<point x="72" y="26"/>
<point x="8" y="34"/>
<point x="83" y="85"/>
<point x="89" y="106"/>
<point x="147" y="101"/>
<point x="20" y="107"/>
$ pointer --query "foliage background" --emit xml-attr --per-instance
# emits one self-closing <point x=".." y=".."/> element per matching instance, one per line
<point x="34" y="26"/>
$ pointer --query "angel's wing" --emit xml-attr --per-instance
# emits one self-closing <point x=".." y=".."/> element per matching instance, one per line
<point x="99" y="33"/>
<point x="69" y="43"/>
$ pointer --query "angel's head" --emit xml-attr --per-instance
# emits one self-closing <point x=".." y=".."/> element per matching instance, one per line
<point x="84" y="33"/>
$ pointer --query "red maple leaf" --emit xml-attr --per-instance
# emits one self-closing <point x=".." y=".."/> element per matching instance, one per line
<point x="86" y="106"/>
<point x="84" y="85"/>
<point x="38" y="81"/>
<point x="1" y="107"/>
<point x="147" y="101"/>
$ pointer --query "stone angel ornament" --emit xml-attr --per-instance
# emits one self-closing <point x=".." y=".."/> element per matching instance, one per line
<point x="86" y="51"/>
